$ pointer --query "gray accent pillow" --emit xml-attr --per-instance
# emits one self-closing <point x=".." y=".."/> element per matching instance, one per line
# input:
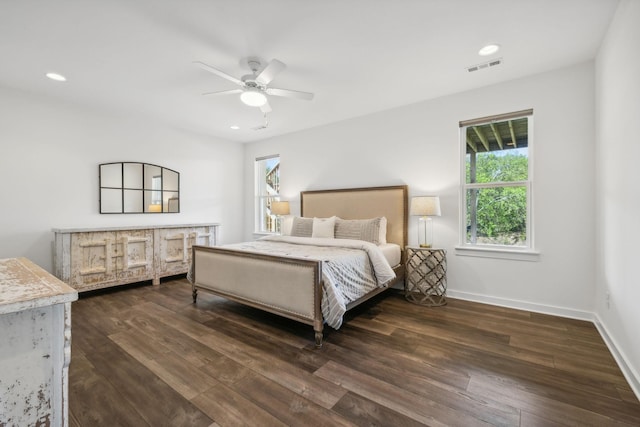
<point x="302" y="227"/>
<point x="358" y="229"/>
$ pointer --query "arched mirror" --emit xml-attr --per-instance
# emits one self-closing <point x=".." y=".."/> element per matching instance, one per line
<point x="131" y="187"/>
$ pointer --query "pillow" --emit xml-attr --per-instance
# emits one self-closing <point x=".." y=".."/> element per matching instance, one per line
<point x="302" y="227"/>
<point x="324" y="227"/>
<point x="287" y="225"/>
<point x="382" y="239"/>
<point x="359" y="229"/>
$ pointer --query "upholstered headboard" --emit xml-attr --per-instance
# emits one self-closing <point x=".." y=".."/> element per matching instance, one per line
<point x="362" y="203"/>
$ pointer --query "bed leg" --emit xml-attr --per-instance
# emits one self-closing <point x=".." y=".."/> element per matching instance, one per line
<point x="194" y="294"/>
<point x="318" y="338"/>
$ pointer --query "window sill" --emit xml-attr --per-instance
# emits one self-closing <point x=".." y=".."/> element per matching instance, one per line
<point x="499" y="253"/>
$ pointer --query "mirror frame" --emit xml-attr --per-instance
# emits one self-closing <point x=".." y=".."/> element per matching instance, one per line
<point x="153" y="195"/>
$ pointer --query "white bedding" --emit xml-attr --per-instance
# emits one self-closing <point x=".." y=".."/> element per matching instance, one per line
<point x="351" y="268"/>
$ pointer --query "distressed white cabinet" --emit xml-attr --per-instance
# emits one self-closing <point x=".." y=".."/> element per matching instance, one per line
<point x="94" y="258"/>
<point x="35" y="345"/>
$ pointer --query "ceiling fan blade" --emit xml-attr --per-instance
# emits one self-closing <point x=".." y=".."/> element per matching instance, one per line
<point x="266" y="108"/>
<point x="287" y="93"/>
<point x="270" y="71"/>
<point x="224" y="92"/>
<point x="218" y="73"/>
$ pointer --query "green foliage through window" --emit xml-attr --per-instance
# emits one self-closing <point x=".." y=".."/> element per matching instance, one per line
<point x="509" y="165"/>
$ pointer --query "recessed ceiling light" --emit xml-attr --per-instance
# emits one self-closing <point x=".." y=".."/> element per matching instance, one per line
<point x="489" y="49"/>
<point x="57" y="77"/>
<point x="235" y="127"/>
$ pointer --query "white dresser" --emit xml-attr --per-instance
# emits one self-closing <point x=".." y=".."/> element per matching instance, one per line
<point x="94" y="258"/>
<point x="35" y="345"/>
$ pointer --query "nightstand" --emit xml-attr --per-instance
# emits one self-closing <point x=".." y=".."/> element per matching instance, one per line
<point x="426" y="276"/>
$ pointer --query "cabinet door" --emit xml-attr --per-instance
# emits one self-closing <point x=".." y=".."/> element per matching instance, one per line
<point x="134" y="255"/>
<point x="174" y="250"/>
<point x="204" y="236"/>
<point x="92" y="259"/>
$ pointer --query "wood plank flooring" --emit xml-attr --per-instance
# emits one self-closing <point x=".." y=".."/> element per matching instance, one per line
<point x="146" y="356"/>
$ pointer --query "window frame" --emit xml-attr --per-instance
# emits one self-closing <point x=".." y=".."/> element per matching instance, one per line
<point x="525" y="252"/>
<point x="261" y="199"/>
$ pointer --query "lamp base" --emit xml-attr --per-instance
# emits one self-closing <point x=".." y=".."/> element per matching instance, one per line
<point x="425" y="232"/>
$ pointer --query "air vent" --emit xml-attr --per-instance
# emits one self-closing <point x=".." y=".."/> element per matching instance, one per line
<point x="484" y="65"/>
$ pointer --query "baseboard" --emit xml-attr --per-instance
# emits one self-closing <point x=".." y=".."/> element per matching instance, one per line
<point x="633" y="378"/>
<point x="629" y="373"/>
<point x="523" y="305"/>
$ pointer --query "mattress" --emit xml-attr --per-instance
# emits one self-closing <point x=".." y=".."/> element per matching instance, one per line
<point x="392" y="253"/>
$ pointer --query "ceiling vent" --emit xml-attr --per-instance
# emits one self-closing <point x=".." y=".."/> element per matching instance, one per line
<point x="484" y="65"/>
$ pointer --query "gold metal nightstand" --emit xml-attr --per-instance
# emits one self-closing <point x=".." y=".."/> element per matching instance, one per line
<point x="426" y="276"/>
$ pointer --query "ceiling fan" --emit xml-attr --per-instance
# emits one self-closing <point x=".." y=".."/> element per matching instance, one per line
<point x="254" y="87"/>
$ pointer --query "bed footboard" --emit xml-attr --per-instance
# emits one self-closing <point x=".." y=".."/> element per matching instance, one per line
<point x="289" y="287"/>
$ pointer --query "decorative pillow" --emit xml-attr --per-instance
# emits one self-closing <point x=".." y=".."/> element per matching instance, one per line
<point x="359" y="229"/>
<point x="324" y="227"/>
<point x="302" y="227"/>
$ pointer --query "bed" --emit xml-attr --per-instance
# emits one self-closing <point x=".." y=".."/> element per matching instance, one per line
<point x="293" y="286"/>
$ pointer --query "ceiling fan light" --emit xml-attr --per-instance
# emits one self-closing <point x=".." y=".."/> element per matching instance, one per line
<point x="253" y="97"/>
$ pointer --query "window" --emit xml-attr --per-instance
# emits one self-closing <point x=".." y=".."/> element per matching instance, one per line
<point x="267" y="173"/>
<point x="497" y="182"/>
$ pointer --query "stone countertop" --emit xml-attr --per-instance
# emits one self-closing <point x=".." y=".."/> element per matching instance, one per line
<point x="24" y="285"/>
<point x="133" y="227"/>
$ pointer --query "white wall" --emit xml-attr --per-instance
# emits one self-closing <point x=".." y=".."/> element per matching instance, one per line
<point x="49" y="156"/>
<point x="419" y="145"/>
<point x="618" y="194"/>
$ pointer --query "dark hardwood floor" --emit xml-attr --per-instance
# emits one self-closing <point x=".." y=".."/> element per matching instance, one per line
<point x="147" y="356"/>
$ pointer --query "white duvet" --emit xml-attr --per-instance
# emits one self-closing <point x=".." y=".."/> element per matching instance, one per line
<point x="350" y="268"/>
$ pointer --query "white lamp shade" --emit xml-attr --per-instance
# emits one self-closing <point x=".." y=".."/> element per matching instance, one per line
<point x="425" y="206"/>
<point x="280" y="208"/>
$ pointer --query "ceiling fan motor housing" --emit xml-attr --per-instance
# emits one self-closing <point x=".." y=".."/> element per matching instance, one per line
<point x="250" y="81"/>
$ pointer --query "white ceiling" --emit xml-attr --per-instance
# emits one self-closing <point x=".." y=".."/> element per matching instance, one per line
<point x="357" y="56"/>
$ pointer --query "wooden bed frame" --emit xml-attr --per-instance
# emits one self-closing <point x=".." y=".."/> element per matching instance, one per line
<point x="292" y="287"/>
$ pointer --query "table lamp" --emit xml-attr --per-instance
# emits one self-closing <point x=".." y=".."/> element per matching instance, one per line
<point x="425" y="207"/>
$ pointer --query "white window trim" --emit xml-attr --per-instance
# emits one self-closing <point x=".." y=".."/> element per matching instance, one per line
<point x="497" y="251"/>
<point x="521" y="253"/>
<point x="259" y="197"/>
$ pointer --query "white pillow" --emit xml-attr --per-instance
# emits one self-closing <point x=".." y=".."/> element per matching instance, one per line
<point x="324" y="227"/>
<point x="287" y="225"/>
<point x="382" y="239"/>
